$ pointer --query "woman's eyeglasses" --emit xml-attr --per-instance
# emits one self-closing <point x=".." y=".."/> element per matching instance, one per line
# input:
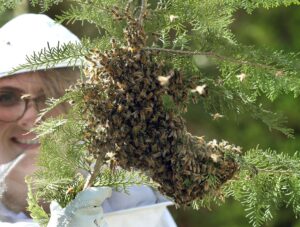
<point x="13" y="104"/>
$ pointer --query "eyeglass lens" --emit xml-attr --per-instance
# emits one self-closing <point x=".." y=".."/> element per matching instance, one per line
<point x="11" y="105"/>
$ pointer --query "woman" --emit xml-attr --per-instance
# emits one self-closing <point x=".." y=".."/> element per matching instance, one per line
<point x="22" y="96"/>
<point x="17" y="118"/>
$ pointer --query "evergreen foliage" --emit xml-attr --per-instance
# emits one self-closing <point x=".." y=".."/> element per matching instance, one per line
<point x="63" y="171"/>
<point x="50" y="56"/>
<point x="269" y="181"/>
<point x="180" y="32"/>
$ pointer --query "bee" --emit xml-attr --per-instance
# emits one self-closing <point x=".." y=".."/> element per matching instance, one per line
<point x="113" y="43"/>
<point x="116" y="12"/>
<point x="70" y="190"/>
<point x="120" y="108"/>
<point x="202" y="90"/>
<point x="217" y="116"/>
<point x="127" y="7"/>
<point x="163" y="80"/>
<point x="137" y="57"/>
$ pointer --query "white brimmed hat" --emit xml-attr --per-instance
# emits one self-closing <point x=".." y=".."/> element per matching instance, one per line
<point x="29" y="33"/>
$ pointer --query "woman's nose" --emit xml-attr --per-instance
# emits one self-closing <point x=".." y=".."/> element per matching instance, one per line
<point x="27" y="121"/>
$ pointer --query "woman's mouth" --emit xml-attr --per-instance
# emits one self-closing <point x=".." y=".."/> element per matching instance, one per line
<point x="26" y="144"/>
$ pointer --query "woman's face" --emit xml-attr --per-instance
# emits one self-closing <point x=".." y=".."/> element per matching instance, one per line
<point x="16" y="138"/>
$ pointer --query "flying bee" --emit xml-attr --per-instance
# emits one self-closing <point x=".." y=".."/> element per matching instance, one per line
<point x="202" y="90"/>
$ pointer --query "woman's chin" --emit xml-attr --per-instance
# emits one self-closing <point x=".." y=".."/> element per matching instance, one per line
<point x="29" y="146"/>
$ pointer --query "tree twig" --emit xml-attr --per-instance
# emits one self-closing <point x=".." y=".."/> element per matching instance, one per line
<point x="277" y="171"/>
<point x="90" y="179"/>
<point x="213" y="55"/>
<point x="143" y="11"/>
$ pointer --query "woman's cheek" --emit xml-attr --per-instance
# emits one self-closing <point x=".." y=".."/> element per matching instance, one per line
<point x="8" y="150"/>
<point x="4" y="143"/>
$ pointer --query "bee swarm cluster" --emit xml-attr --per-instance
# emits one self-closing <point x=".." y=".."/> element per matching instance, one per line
<point x="125" y="113"/>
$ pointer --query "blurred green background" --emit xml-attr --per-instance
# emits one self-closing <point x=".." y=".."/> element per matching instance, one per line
<point x="277" y="28"/>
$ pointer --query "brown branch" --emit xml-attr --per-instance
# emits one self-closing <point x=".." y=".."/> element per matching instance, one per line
<point x="143" y="11"/>
<point x="213" y="55"/>
<point x="91" y="178"/>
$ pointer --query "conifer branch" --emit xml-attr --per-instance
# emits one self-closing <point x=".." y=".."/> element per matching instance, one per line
<point x="50" y="56"/>
<point x="264" y="179"/>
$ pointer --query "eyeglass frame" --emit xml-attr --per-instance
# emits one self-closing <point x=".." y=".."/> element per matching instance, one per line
<point x="26" y="98"/>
